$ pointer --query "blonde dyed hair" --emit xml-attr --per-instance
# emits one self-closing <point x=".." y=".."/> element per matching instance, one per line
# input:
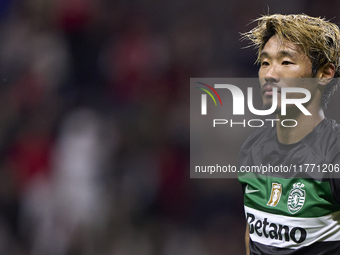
<point x="319" y="39"/>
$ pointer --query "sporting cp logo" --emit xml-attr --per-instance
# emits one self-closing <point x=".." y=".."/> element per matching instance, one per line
<point x="296" y="198"/>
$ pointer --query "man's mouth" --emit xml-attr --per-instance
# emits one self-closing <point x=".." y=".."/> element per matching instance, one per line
<point x="267" y="90"/>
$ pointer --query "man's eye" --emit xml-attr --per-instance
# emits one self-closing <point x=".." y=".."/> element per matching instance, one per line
<point x="264" y="63"/>
<point x="287" y="63"/>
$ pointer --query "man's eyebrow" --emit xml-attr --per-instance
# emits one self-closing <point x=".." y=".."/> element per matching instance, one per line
<point x="282" y="53"/>
<point x="286" y="53"/>
<point x="264" y="54"/>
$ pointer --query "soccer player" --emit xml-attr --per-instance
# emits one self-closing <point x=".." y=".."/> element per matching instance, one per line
<point x="294" y="212"/>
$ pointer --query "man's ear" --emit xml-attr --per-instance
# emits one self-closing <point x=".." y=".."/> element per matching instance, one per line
<point x="326" y="73"/>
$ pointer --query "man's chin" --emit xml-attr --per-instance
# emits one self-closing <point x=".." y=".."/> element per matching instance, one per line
<point x="268" y="106"/>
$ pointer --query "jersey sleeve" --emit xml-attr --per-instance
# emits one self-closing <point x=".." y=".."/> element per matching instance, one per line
<point x="335" y="181"/>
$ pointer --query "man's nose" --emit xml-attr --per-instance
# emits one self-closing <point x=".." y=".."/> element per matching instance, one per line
<point x="272" y="75"/>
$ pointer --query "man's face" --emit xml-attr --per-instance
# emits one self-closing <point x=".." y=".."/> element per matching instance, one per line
<point x="279" y="63"/>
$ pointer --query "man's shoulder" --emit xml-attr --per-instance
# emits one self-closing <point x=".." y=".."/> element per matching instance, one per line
<point x="328" y="133"/>
<point x="332" y="126"/>
<point x="327" y="140"/>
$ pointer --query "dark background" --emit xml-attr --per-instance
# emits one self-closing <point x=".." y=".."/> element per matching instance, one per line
<point x="94" y="123"/>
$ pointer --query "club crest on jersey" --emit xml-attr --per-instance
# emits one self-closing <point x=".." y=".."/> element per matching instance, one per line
<point x="296" y="198"/>
<point x="275" y="194"/>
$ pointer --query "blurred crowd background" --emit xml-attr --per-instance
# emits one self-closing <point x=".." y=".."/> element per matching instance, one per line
<point x="94" y="124"/>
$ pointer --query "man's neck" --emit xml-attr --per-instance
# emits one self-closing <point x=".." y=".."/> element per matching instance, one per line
<point x="306" y="124"/>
